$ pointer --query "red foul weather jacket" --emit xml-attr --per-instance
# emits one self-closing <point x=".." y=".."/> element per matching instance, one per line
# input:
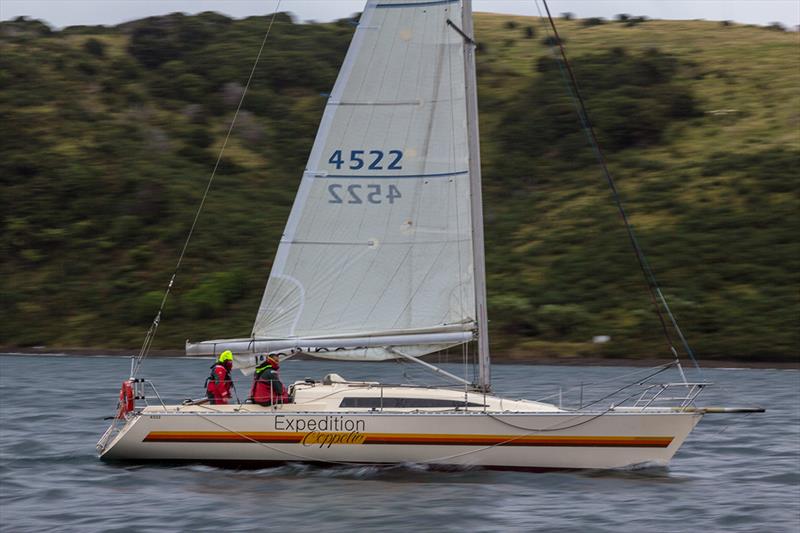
<point x="267" y="388"/>
<point x="218" y="384"/>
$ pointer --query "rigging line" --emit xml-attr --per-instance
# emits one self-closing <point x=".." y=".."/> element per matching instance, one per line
<point x="528" y="430"/>
<point x="626" y="386"/>
<point x="561" y="428"/>
<point x="680" y="333"/>
<point x="433" y="461"/>
<point x="615" y="378"/>
<point x="652" y="284"/>
<point x="154" y="326"/>
<point x="728" y="425"/>
<point x="265" y="445"/>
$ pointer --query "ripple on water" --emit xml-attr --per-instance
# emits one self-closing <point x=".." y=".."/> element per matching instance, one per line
<point x="200" y="468"/>
<point x="733" y="474"/>
<point x="785" y="478"/>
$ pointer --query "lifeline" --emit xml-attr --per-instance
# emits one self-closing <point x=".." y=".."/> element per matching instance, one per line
<point x="327" y="423"/>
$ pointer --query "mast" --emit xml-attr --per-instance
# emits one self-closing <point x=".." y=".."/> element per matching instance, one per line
<point x="479" y="267"/>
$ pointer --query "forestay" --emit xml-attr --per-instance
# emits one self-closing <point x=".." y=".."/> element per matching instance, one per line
<point x="379" y="240"/>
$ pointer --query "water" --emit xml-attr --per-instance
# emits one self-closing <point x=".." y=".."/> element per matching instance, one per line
<point x="735" y="472"/>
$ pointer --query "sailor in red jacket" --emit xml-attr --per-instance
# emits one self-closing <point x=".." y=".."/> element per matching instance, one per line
<point x="218" y="384"/>
<point x="267" y="387"/>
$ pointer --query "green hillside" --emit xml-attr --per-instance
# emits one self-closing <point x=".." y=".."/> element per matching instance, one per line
<point x="109" y="136"/>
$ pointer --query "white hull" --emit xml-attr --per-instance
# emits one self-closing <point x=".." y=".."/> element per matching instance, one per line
<point x="542" y="438"/>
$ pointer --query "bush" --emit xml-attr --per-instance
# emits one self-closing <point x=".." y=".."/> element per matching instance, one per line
<point x="87" y="68"/>
<point x="560" y="321"/>
<point x="151" y="46"/>
<point x="211" y="297"/>
<point x="95" y="47"/>
<point x="567" y="15"/>
<point x="198" y="137"/>
<point x="510" y="25"/>
<point x="552" y="40"/>
<point x="25" y="26"/>
<point x="773" y="168"/>
<point x="634" y="21"/>
<point x="593" y="21"/>
<point x="623" y="120"/>
<point x="684" y="105"/>
<point x="515" y="312"/>
<point x="145" y="307"/>
<point x="190" y="87"/>
<point x="125" y="69"/>
<point x="204" y="301"/>
<point x="530" y="32"/>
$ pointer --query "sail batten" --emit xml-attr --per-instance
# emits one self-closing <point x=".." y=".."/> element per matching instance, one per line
<point x="379" y="237"/>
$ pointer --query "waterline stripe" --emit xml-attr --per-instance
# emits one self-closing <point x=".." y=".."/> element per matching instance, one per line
<point x="418" y="439"/>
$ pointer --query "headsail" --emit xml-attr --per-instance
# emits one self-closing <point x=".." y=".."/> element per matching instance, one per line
<point x="379" y="240"/>
<point x="379" y="237"/>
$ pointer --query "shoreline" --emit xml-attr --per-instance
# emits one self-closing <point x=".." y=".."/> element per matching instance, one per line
<point x="576" y="360"/>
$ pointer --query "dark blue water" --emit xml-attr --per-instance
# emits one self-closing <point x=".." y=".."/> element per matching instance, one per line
<point x="735" y="473"/>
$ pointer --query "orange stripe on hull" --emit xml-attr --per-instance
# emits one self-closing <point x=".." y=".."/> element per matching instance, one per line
<point x="418" y="439"/>
<point x="220" y="436"/>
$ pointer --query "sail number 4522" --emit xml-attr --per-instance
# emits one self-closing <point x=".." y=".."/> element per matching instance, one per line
<point x="359" y="194"/>
<point x="372" y="159"/>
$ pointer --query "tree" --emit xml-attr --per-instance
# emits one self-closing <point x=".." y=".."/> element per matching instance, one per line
<point x="630" y="97"/>
<point x="151" y="44"/>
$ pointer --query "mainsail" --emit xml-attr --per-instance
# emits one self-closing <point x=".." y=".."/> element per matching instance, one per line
<point x="377" y="252"/>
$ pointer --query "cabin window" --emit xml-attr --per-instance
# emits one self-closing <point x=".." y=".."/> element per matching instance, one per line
<point x="376" y="403"/>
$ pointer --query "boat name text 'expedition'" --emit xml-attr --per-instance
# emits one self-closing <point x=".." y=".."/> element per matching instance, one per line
<point x="326" y="423"/>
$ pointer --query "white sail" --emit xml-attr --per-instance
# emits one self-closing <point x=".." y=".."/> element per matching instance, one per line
<point x="379" y="237"/>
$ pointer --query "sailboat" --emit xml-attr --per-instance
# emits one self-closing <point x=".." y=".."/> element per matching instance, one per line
<point x="382" y="258"/>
